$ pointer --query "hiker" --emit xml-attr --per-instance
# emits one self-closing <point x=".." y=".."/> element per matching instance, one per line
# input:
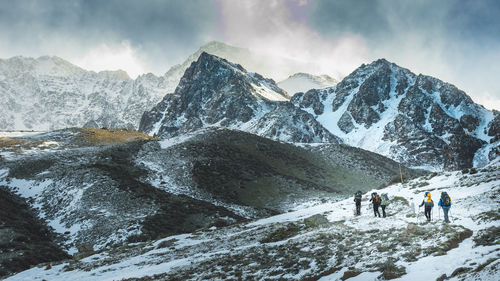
<point x="357" y="199"/>
<point x="384" y="202"/>
<point x="376" y="202"/>
<point x="445" y="204"/>
<point x="428" y="205"/>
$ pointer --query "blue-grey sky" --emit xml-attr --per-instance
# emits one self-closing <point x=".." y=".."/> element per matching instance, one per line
<point x="456" y="41"/>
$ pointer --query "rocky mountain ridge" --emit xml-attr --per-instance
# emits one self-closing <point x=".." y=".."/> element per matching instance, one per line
<point x="415" y="119"/>
<point x="215" y="92"/>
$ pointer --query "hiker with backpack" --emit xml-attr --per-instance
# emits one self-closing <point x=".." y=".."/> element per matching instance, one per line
<point x="357" y="199"/>
<point x="384" y="202"/>
<point x="376" y="202"/>
<point x="445" y="204"/>
<point x="429" y="204"/>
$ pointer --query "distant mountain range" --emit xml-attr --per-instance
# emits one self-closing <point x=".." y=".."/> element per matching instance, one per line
<point x="50" y="93"/>
<point x="381" y="107"/>
<point x="415" y="119"/>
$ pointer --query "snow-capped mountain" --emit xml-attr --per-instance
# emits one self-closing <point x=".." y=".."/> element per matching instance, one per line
<point x="415" y="119"/>
<point x="303" y="82"/>
<point x="215" y="92"/>
<point x="51" y="93"/>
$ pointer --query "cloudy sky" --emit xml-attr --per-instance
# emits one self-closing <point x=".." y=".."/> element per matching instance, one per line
<point x="457" y="41"/>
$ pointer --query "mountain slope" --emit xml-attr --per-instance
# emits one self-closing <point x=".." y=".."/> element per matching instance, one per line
<point x="215" y="92"/>
<point x="416" y="119"/>
<point x="325" y="242"/>
<point x="24" y="240"/>
<point x="303" y="82"/>
<point x="111" y="187"/>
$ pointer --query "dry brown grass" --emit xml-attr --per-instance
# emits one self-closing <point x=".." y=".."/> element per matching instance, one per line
<point x="109" y="136"/>
<point x="11" y="144"/>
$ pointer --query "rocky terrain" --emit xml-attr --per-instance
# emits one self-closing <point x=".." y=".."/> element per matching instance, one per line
<point x="25" y="240"/>
<point x="415" y="119"/>
<point x="108" y="188"/>
<point x="324" y="241"/>
<point x="49" y="93"/>
<point x="215" y="92"/>
<point x="303" y="82"/>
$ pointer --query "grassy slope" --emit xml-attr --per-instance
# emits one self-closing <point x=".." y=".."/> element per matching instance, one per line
<point x="256" y="171"/>
<point x="24" y="240"/>
<point x="286" y="247"/>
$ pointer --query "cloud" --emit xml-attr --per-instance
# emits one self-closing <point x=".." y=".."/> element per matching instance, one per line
<point x="161" y="33"/>
<point x="105" y="57"/>
<point x="281" y="29"/>
<point x="455" y="41"/>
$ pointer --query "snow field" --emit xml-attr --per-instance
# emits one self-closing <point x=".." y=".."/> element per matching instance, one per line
<point x="187" y="251"/>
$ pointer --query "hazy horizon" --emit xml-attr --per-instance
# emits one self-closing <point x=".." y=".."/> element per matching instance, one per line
<point x="455" y="41"/>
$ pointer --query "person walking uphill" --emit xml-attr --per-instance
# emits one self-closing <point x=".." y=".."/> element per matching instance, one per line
<point x="357" y="199"/>
<point x="384" y="202"/>
<point x="376" y="202"/>
<point x="428" y="205"/>
<point x="445" y="204"/>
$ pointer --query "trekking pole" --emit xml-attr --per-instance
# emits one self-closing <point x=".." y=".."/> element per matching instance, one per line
<point x="439" y="214"/>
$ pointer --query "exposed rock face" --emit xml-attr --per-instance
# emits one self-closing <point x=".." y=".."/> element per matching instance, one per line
<point x="416" y="119"/>
<point x="215" y="92"/>
<point x="494" y="127"/>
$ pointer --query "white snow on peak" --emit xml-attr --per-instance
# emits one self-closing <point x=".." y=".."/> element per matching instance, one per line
<point x="302" y="82"/>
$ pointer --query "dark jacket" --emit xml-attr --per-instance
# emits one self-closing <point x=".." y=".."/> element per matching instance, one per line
<point x="375" y="202"/>
<point x="427" y="205"/>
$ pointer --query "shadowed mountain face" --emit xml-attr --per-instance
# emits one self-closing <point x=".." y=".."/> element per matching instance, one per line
<point x="215" y="92"/>
<point x="416" y="119"/>
<point x="24" y="239"/>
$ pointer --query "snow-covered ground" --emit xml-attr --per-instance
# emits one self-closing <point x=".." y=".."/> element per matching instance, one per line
<point x="15" y="134"/>
<point x="285" y="247"/>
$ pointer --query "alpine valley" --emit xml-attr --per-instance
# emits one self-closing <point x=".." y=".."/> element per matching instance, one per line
<point x="215" y="172"/>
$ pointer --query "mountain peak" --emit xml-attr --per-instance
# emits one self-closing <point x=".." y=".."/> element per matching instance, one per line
<point x="209" y="62"/>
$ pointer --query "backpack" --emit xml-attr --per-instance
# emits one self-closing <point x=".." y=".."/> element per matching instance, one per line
<point x="429" y="204"/>
<point x="376" y="199"/>
<point x="445" y="200"/>
<point x="385" y="199"/>
<point x="358" y="195"/>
